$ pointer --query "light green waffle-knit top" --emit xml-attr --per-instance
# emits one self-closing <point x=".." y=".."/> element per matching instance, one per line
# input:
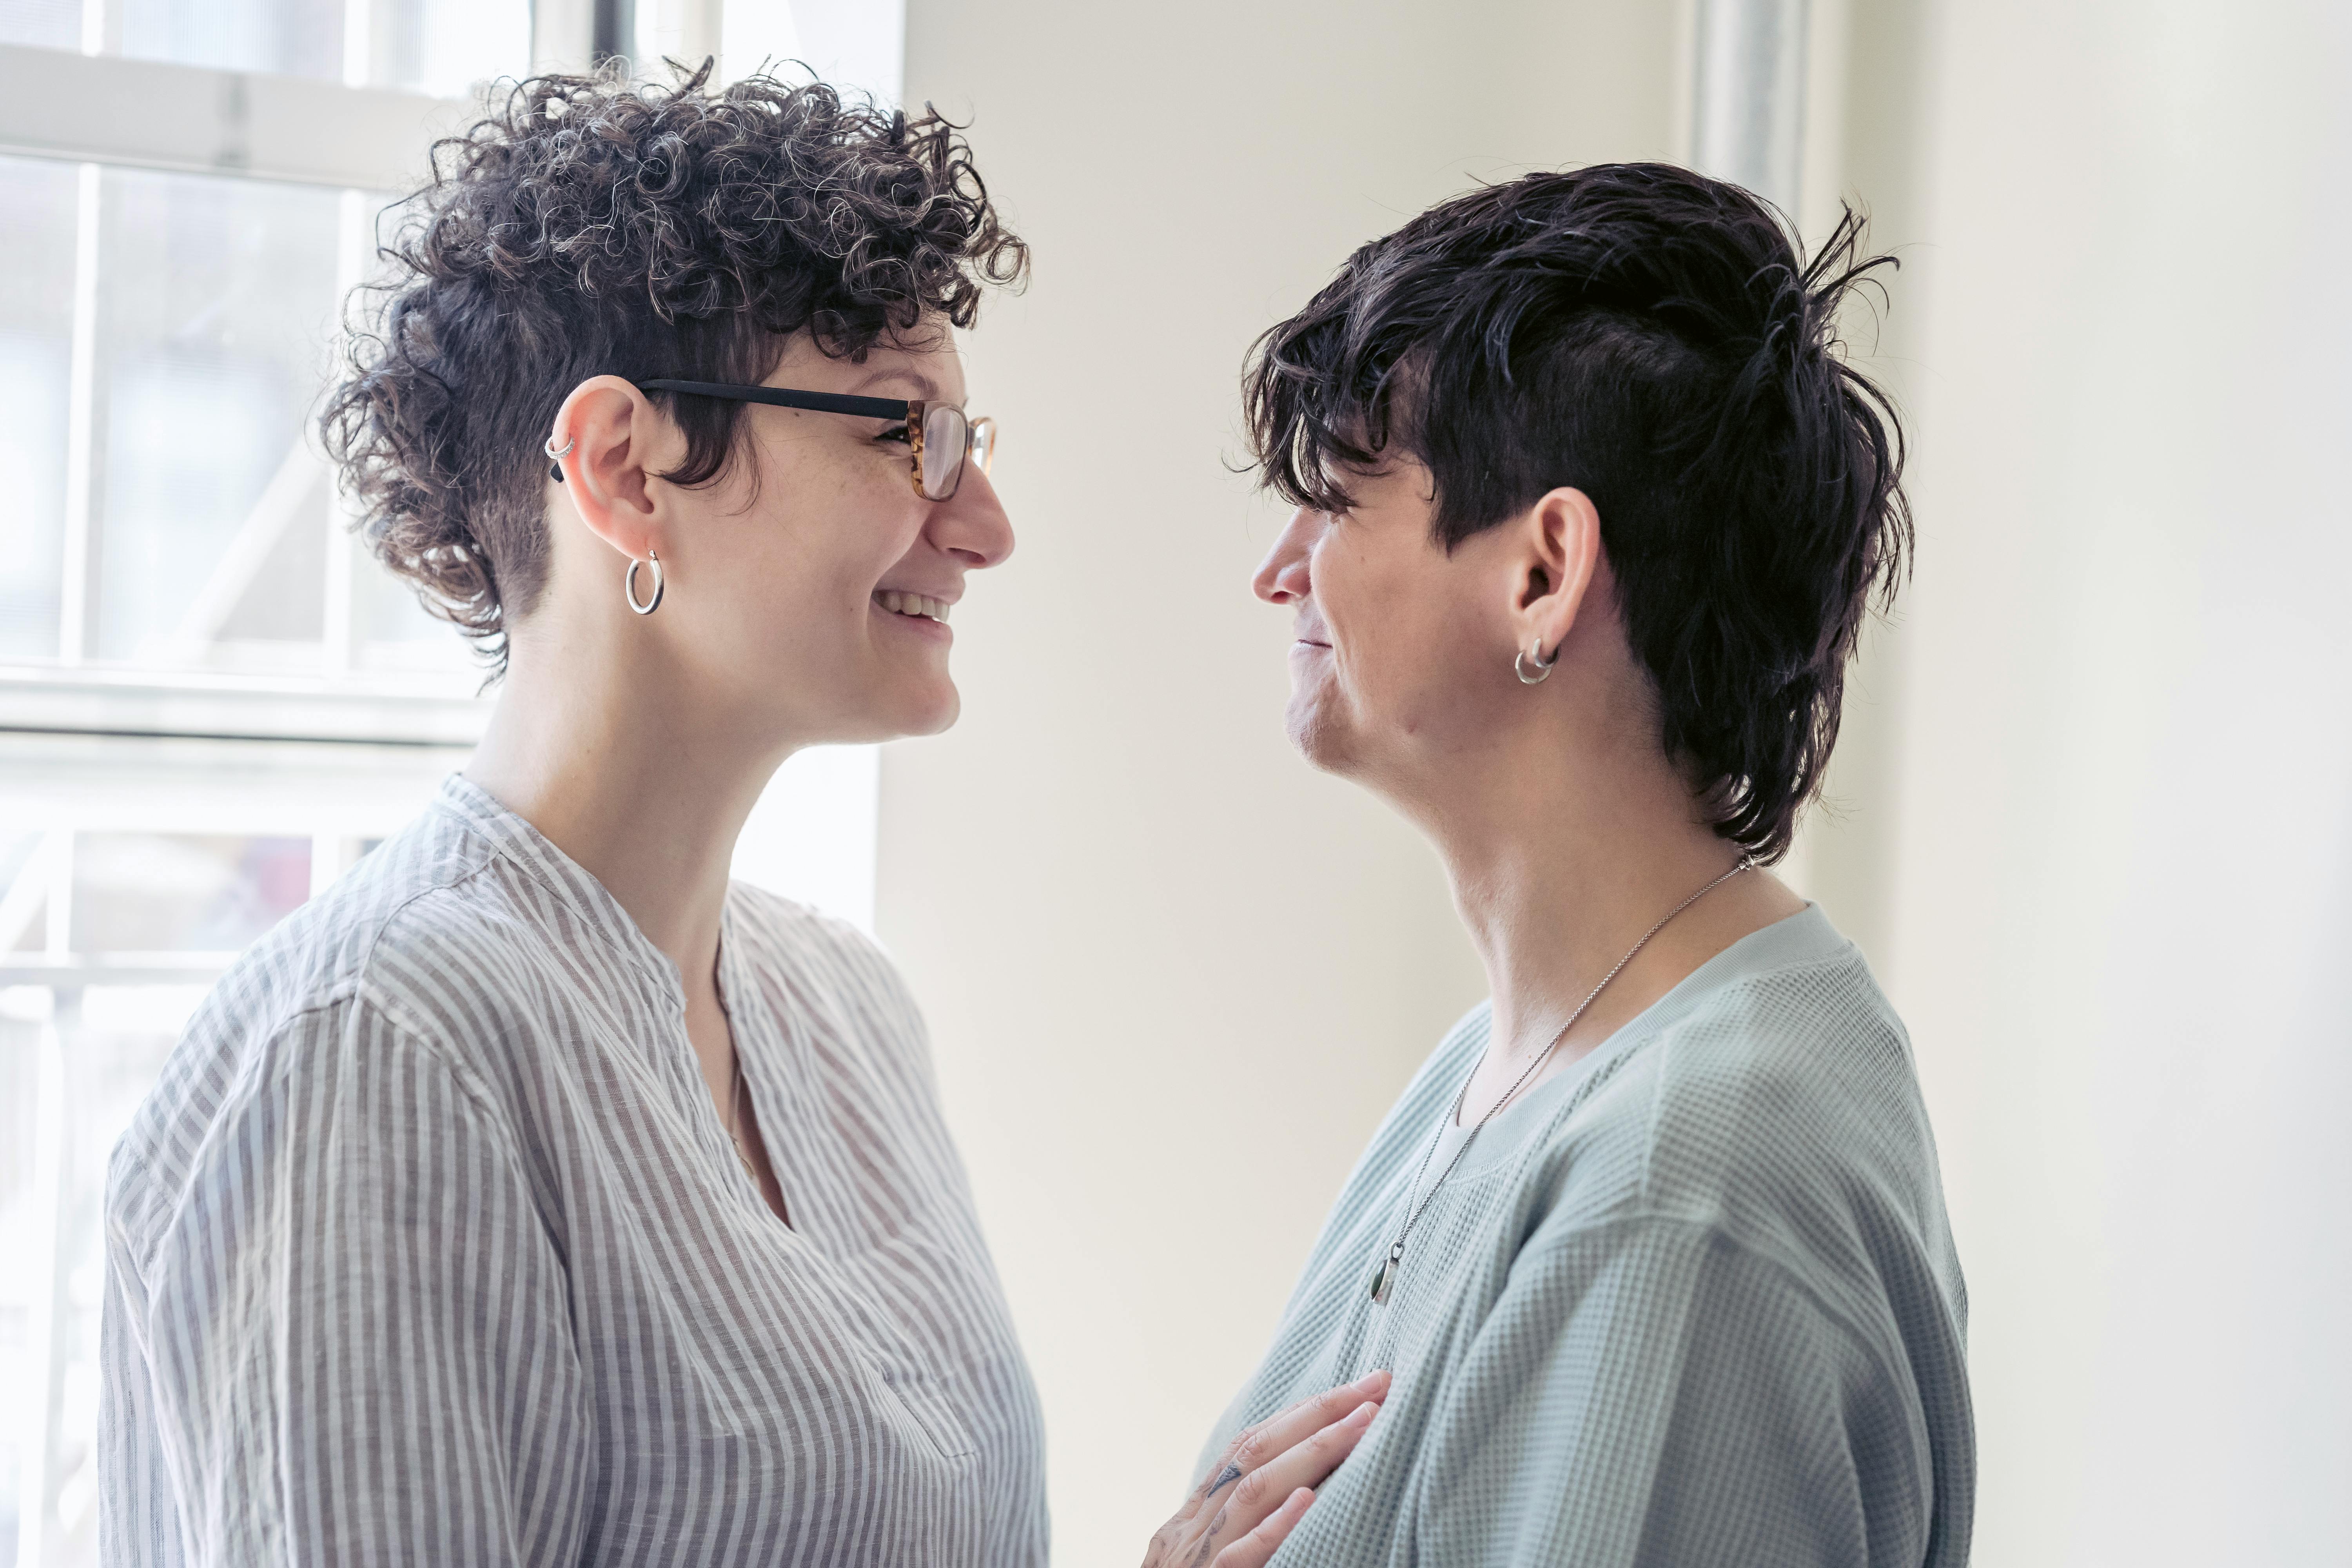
<point x="1692" y="1303"/>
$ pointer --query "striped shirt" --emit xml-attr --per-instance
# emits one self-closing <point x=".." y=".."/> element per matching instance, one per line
<point x="431" y="1246"/>
<point x="1691" y="1303"/>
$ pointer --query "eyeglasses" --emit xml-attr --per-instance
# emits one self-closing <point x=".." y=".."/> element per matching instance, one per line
<point x="942" y="439"/>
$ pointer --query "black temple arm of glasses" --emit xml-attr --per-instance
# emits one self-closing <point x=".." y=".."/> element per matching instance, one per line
<point x="816" y="402"/>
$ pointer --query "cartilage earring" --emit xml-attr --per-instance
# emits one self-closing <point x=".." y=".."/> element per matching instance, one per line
<point x="554" y="468"/>
<point x="1521" y="661"/>
<point x="629" y="584"/>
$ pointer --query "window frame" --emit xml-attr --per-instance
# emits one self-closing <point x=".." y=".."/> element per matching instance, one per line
<point x="94" y="110"/>
<point x="339" y="755"/>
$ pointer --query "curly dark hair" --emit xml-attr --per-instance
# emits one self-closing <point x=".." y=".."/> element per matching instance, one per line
<point x="588" y="226"/>
<point x="1651" y="337"/>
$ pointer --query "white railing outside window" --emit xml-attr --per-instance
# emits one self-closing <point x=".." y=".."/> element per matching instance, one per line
<point x="212" y="703"/>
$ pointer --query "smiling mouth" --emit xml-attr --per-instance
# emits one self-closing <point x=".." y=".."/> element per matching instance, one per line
<point x="914" y="605"/>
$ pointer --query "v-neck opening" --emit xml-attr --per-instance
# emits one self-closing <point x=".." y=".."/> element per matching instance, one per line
<point x="737" y="996"/>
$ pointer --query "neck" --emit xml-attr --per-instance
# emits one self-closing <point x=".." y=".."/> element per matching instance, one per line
<point x="1563" y="854"/>
<point x="597" y="741"/>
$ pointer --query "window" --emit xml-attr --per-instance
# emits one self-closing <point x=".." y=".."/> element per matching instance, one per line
<point x="212" y="703"/>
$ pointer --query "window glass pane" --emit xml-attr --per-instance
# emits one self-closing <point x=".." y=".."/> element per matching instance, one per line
<point x="159" y="892"/>
<point x="287" y="38"/>
<point x="396" y="634"/>
<point x="441" y="47"/>
<point x="216" y="300"/>
<point x="37" y="272"/>
<point x="391" y="632"/>
<point x="444" y="46"/>
<point x="24" y="895"/>
<point x="22" y="1010"/>
<point x="73" y="1067"/>
<point x="53" y="24"/>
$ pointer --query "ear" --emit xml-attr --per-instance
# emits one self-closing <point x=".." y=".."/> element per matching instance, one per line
<point x="620" y="443"/>
<point x="1553" y="569"/>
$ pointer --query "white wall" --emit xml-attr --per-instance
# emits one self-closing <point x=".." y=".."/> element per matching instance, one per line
<point x="2092" y="804"/>
<point x="1175" y="977"/>
<point x="2098" y="841"/>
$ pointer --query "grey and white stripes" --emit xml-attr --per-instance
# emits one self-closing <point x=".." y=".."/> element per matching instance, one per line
<point x="430" y="1247"/>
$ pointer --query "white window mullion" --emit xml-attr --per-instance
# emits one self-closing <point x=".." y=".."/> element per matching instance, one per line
<point x="354" y="242"/>
<point x="81" y="428"/>
<point x="45" y="1236"/>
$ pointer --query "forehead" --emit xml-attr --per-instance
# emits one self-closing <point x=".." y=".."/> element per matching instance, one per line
<point x="927" y="367"/>
<point x="1398" y="480"/>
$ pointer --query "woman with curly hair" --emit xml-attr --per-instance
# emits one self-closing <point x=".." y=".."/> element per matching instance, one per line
<point x="536" y="1195"/>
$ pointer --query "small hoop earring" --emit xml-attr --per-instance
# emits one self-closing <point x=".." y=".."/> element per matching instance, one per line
<point x="1519" y="662"/>
<point x="555" y="470"/>
<point x="629" y="584"/>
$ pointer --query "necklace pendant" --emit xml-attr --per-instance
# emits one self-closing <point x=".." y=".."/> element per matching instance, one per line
<point x="1385" y="1278"/>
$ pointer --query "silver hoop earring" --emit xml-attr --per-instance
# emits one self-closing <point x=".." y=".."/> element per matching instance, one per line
<point x="554" y="468"/>
<point x="1519" y="662"/>
<point x="629" y="584"/>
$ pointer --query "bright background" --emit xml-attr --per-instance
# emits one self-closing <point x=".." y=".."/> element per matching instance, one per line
<point x="2089" y="819"/>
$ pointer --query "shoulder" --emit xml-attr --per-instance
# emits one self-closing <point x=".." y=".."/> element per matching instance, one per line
<point x="816" y="949"/>
<point x="1780" y="1074"/>
<point x="438" y="928"/>
<point x="780" y="929"/>
<point x="824" y="969"/>
<point x="327" y="985"/>
<point x="1778" y="1107"/>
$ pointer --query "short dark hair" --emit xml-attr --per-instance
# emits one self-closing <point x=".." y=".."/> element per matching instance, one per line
<point x="590" y="226"/>
<point x="1651" y="337"/>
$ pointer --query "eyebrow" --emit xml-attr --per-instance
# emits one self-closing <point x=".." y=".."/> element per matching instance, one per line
<point x="925" y="387"/>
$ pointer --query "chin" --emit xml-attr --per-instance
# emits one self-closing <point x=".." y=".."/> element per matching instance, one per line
<point x="1319" y="737"/>
<point x="932" y="712"/>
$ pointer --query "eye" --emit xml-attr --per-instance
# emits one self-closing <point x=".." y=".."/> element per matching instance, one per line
<point x="895" y="433"/>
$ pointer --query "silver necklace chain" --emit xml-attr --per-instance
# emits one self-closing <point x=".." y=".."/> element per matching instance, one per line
<point x="1385" y="1277"/>
<point x="735" y="1116"/>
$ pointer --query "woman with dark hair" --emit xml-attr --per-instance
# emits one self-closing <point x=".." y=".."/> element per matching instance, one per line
<point x="536" y="1195"/>
<point x="1591" y="513"/>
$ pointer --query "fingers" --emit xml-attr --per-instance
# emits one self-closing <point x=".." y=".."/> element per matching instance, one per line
<point x="1252" y="1549"/>
<point x="1265" y="1491"/>
<point x="1277" y="1434"/>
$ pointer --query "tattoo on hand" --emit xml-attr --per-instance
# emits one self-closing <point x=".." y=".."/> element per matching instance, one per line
<point x="1225" y="1478"/>
<point x="1209" y="1542"/>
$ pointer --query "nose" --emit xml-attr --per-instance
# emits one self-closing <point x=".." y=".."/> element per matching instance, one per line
<point x="1281" y="576"/>
<point x="970" y="524"/>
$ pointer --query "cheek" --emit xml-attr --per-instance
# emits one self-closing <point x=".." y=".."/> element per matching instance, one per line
<point x="1405" y="651"/>
<point x="1377" y="622"/>
<point x="828" y="555"/>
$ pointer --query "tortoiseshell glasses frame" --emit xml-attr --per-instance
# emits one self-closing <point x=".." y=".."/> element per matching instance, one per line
<point x="940" y="436"/>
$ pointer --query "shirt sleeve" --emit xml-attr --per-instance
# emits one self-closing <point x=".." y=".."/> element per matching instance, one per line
<point x="1649" y="1393"/>
<point x="348" y="1339"/>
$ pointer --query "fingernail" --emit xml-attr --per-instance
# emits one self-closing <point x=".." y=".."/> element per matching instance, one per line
<point x="1365" y="1411"/>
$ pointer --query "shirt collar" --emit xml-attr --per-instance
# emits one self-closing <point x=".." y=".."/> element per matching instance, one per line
<point x="531" y="851"/>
